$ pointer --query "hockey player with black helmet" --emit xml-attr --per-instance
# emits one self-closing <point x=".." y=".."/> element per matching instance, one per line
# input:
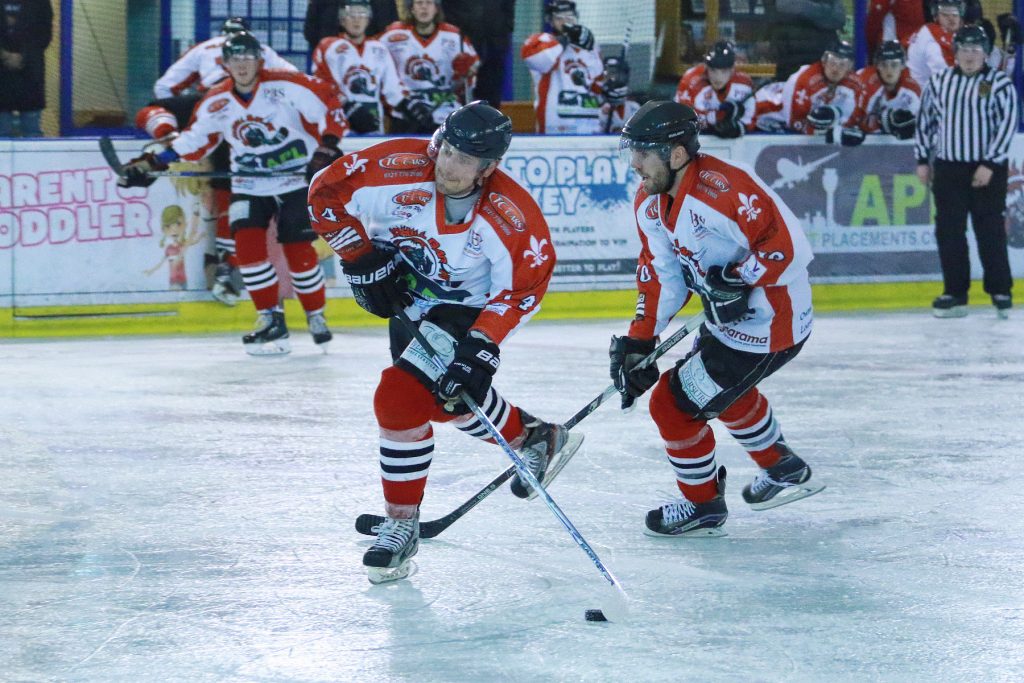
<point x="437" y="229"/>
<point x="721" y="96"/>
<point x="891" y="98"/>
<point x="930" y="49"/>
<point x="712" y="228"/>
<point x="618" y="106"/>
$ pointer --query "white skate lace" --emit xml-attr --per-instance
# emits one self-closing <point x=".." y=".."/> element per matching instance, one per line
<point x="677" y="511"/>
<point x="263" y="321"/>
<point x="317" y="323"/>
<point x="393" y="534"/>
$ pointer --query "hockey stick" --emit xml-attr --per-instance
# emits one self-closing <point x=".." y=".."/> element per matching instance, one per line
<point x="617" y="604"/>
<point x="110" y="156"/>
<point x="365" y="523"/>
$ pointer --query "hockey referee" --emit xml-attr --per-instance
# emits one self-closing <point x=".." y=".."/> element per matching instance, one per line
<point x="969" y="113"/>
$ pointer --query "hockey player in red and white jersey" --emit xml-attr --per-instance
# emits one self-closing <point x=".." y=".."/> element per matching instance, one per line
<point x="712" y="228"/>
<point x="931" y="47"/>
<point x="436" y="229"/>
<point x="278" y="123"/>
<point x="567" y="74"/>
<point x="618" y="106"/>
<point x="721" y="96"/>
<point x="202" y="67"/>
<point x="364" y="72"/>
<point x="435" y="63"/>
<point x="891" y="99"/>
<point x="823" y="98"/>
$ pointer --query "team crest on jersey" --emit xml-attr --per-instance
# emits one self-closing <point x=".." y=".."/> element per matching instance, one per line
<point x="422" y="253"/>
<point x="400" y="161"/>
<point x="508" y="210"/>
<point x="423" y="68"/>
<point x="358" y="81"/>
<point x="715" y="180"/>
<point x="253" y="131"/>
<point x="217" y="105"/>
<point x="748" y="207"/>
<point x="652" y="209"/>
<point x="410" y="202"/>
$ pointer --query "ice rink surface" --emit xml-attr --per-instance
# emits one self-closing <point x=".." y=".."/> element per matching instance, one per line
<point x="171" y="509"/>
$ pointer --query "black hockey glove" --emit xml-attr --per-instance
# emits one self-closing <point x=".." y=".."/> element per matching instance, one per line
<point x="824" y="117"/>
<point x="728" y="128"/>
<point x="136" y="171"/>
<point x="725" y="295"/>
<point x="377" y="283"/>
<point x="731" y="111"/>
<point x="362" y="117"/>
<point x="476" y="360"/>
<point x="323" y="156"/>
<point x="580" y="36"/>
<point x="900" y="123"/>
<point x="418" y="113"/>
<point x="848" y="137"/>
<point x="631" y="381"/>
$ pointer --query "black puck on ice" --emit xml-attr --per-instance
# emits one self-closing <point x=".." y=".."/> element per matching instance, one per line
<point x="595" y="615"/>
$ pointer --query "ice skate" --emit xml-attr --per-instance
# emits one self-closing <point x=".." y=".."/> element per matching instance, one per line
<point x="223" y="291"/>
<point x="318" y="328"/>
<point x="948" y="306"/>
<point x="388" y="559"/>
<point x="681" y="518"/>
<point x="546" y="450"/>
<point x="784" y="482"/>
<point x="1003" y="304"/>
<point x="270" y="338"/>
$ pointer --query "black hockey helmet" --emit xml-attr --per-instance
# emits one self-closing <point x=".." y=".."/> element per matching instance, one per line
<point x="842" y="49"/>
<point x="242" y="43"/>
<point x="477" y="129"/>
<point x="616" y="73"/>
<point x="660" y="124"/>
<point x="233" y="25"/>
<point x="890" y="50"/>
<point x="722" y="55"/>
<point x="559" y="7"/>
<point x="972" y="35"/>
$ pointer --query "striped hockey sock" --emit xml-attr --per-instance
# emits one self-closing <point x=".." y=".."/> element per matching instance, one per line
<point x="751" y="422"/>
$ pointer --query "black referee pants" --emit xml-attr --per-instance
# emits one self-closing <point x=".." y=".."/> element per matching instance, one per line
<point x="954" y="200"/>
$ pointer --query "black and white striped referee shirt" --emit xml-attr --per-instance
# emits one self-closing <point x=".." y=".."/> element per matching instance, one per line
<point x="967" y="118"/>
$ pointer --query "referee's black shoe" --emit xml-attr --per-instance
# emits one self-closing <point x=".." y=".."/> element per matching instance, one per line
<point x="949" y="306"/>
<point x="1003" y="304"/>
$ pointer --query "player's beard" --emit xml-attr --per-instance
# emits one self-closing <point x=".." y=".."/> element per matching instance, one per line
<point x="659" y="181"/>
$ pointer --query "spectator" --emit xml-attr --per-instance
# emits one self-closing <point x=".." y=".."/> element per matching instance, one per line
<point x="931" y="48"/>
<point x="891" y="99"/>
<point x="907" y="18"/>
<point x="802" y="30"/>
<point x="488" y="25"/>
<point x="26" y="28"/>
<point x="322" y="19"/>
<point x="720" y="96"/>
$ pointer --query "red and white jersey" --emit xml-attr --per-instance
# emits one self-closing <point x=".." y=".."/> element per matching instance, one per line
<point x="203" y="67"/>
<point x="363" y="73"/>
<point x="695" y="90"/>
<point x="724" y="215"/>
<point x="500" y="259"/>
<point x="875" y="99"/>
<point x="804" y="91"/>
<point x="620" y="113"/>
<point x="930" y="51"/>
<point x="276" y="129"/>
<point x="425" y="65"/>
<point x="568" y="85"/>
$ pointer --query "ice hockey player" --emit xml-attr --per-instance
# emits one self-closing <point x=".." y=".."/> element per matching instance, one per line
<point x="822" y="98"/>
<point x="931" y="47"/>
<point x="436" y="64"/>
<point x="618" y="106"/>
<point x="365" y="74"/>
<point x="721" y="96"/>
<point x="890" y="98"/>
<point x="435" y="228"/>
<point x="712" y="228"/>
<point x="266" y="116"/>
<point x="567" y="71"/>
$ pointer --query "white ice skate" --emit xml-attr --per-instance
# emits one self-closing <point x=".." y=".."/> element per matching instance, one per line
<point x="318" y="328"/>
<point x="784" y="482"/>
<point x="389" y="558"/>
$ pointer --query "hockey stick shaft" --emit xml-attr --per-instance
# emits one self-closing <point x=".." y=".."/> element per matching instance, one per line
<point x="430" y="529"/>
<point x="110" y="156"/>
<point x="520" y="466"/>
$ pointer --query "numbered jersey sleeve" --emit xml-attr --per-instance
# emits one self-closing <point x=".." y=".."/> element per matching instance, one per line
<point x="661" y="286"/>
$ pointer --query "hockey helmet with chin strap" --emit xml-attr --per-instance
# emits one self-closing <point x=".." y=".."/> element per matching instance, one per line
<point x="972" y="36"/>
<point x="890" y="51"/>
<point x="553" y="7"/>
<point x="476" y="129"/>
<point x="242" y="43"/>
<point x="233" y="25"/>
<point x="659" y="125"/>
<point x="722" y="55"/>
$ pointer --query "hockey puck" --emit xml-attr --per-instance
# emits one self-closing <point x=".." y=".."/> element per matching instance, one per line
<point x="595" y="615"/>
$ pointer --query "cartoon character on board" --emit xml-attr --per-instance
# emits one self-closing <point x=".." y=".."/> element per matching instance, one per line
<point x="174" y="241"/>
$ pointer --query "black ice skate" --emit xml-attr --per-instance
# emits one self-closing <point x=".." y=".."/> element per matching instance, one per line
<point x="681" y="518"/>
<point x="388" y="559"/>
<point x="949" y="306"/>
<point x="223" y="290"/>
<point x="1003" y="304"/>
<point x="546" y="450"/>
<point x="784" y="482"/>
<point x="318" y="328"/>
<point x="270" y="338"/>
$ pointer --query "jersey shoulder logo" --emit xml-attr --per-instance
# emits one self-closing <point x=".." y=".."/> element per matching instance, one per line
<point x="715" y="180"/>
<point x="508" y="210"/>
<point x="748" y="208"/>
<point x="535" y="254"/>
<point x="217" y="105"/>
<point x="404" y="161"/>
<point x="398" y="37"/>
<point x="652" y="209"/>
<point x="355" y="166"/>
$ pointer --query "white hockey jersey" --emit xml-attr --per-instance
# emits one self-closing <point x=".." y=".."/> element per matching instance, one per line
<point x="695" y="90"/>
<point x="619" y="113"/>
<point x="426" y="65"/>
<point x="203" y="67"/>
<point x="500" y="259"/>
<point x="876" y="100"/>
<point x="277" y="129"/>
<point x="568" y="85"/>
<point x="786" y="107"/>
<point x="363" y="73"/>
<point x="723" y="215"/>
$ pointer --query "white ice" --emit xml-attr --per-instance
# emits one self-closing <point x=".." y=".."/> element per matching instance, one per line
<point x="171" y="509"/>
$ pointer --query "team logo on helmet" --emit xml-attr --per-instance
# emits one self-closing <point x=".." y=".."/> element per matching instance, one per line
<point x="253" y="131"/>
<point x="715" y="180"/>
<point x="422" y="253"/>
<point x="403" y="161"/>
<point x="508" y="210"/>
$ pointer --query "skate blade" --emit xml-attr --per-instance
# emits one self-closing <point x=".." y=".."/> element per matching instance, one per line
<point x="713" y="532"/>
<point x="380" y="575"/>
<point x="572" y="444"/>
<point x="278" y="347"/>
<point x="955" y="312"/>
<point x="1002" y="314"/>
<point x="790" y="494"/>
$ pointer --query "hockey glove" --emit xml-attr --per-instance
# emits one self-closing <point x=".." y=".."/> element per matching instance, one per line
<point x="418" y="113"/>
<point x="824" y="117"/>
<point x="1009" y="29"/>
<point x="728" y="128"/>
<point x="471" y="370"/>
<point x="580" y="36"/>
<point x="900" y="123"/>
<point x="851" y="137"/>
<point x="323" y="156"/>
<point x="377" y="283"/>
<point x="136" y="171"/>
<point x="462" y="65"/>
<point x="731" y="111"/>
<point x="725" y="295"/>
<point x="631" y="381"/>
<point x="362" y="117"/>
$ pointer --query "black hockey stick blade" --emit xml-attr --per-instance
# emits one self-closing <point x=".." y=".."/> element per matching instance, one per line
<point x="110" y="156"/>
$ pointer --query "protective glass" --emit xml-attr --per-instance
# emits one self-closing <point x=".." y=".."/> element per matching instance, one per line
<point x="239" y="60"/>
<point x="971" y="49"/>
<point x="631" y="150"/>
<point x="356" y="13"/>
<point x="460" y="160"/>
